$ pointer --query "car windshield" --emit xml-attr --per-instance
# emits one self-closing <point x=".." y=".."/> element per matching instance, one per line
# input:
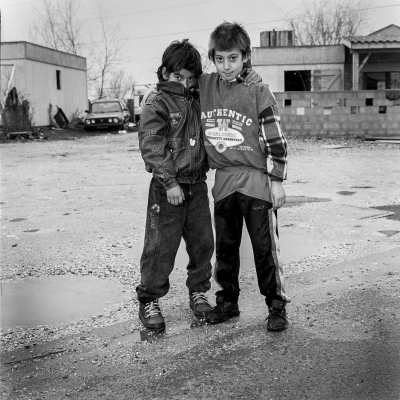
<point x="106" y="106"/>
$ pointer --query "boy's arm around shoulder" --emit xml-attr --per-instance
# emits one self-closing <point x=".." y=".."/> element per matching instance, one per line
<point x="153" y="141"/>
<point x="271" y="133"/>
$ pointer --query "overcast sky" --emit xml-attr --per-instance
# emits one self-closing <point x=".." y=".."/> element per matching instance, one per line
<point x="149" y="26"/>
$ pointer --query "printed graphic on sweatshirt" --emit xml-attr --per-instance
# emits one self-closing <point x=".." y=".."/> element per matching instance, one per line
<point x="175" y="118"/>
<point x="223" y="127"/>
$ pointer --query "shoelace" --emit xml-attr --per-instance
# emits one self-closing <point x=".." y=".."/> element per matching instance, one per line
<point x="275" y="313"/>
<point x="199" y="298"/>
<point x="152" y="309"/>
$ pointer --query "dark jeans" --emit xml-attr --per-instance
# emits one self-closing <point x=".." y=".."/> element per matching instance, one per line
<point x="262" y="227"/>
<point x="165" y="226"/>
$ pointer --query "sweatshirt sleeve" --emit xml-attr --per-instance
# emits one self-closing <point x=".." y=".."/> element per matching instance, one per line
<point x="271" y="136"/>
<point x="153" y="144"/>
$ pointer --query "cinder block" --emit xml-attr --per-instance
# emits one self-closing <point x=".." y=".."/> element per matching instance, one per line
<point x="369" y="94"/>
<point x="290" y="111"/>
<point x="299" y="118"/>
<point x="296" y="95"/>
<point x="308" y="95"/>
<point x="392" y="116"/>
<point x="369" y="110"/>
<point x="376" y="132"/>
<point x="337" y="110"/>
<point x="282" y="95"/>
<point x="331" y="125"/>
<point x="393" y="125"/>
<point x="301" y="103"/>
<point x="311" y="111"/>
<point x="393" y="110"/>
<point x="290" y="125"/>
<point x="345" y="117"/>
<point x="370" y="125"/>
<point x="355" y="102"/>
<point x="351" y="125"/>
<point x="312" y="126"/>
<point x="355" y="132"/>
<point x="338" y="133"/>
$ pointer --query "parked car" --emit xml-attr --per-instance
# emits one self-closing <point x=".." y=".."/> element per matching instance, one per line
<point x="107" y="113"/>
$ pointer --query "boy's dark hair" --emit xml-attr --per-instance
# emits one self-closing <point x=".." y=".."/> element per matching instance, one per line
<point x="227" y="36"/>
<point x="180" y="55"/>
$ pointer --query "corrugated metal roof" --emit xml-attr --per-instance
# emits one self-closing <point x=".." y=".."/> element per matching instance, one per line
<point x="374" y="39"/>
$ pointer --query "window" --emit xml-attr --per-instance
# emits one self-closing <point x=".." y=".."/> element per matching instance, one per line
<point x="58" y="77"/>
<point x="297" y="81"/>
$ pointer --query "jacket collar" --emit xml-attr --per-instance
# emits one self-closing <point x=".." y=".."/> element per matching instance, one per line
<point x="173" y="88"/>
<point x="178" y="89"/>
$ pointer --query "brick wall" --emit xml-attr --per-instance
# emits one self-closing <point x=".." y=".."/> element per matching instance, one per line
<point x="360" y="113"/>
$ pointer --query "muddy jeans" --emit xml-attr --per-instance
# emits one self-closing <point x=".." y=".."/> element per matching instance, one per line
<point x="262" y="227"/>
<point x="165" y="226"/>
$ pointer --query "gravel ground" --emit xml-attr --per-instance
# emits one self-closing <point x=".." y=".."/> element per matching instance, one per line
<point x="82" y="201"/>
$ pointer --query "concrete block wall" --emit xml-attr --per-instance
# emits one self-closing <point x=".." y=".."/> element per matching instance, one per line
<point x="360" y="113"/>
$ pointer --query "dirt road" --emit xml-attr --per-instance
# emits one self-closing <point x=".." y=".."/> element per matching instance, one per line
<point x="76" y="209"/>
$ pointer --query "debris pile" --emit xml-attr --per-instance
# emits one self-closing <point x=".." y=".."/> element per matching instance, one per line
<point x="15" y="115"/>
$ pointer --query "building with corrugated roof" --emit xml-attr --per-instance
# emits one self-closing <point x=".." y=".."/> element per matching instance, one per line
<point x="369" y="62"/>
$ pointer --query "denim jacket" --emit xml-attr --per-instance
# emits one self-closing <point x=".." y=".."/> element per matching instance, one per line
<point x="170" y="137"/>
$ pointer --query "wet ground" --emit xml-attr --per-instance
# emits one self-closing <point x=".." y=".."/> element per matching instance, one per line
<point x="72" y="233"/>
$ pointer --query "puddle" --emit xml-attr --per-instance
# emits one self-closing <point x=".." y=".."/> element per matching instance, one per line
<point x="394" y="209"/>
<point x="292" y="201"/>
<point x="389" y="233"/>
<point x="18" y="219"/>
<point x="345" y="193"/>
<point x="147" y="335"/>
<point x="56" y="300"/>
<point x="32" y="230"/>
<point x="362" y="187"/>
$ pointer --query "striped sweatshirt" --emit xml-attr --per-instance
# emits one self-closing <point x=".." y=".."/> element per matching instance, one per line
<point x="241" y="126"/>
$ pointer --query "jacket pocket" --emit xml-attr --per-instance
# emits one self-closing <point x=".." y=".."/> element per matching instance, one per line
<point x="176" y="147"/>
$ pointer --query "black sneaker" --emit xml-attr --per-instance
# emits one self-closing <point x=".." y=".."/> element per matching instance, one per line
<point x="150" y="315"/>
<point x="277" y="316"/>
<point x="222" y="311"/>
<point x="199" y="304"/>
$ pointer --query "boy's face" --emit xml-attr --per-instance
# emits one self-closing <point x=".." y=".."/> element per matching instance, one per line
<point x="229" y="64"/>
<point x="183" y="76"/>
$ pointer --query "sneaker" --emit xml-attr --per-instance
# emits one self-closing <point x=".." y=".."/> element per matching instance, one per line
<point x="199" y="304"/>
<point x="222" y="311"/>
<point x="150" y="315"/>
<point x="277" y="316"/>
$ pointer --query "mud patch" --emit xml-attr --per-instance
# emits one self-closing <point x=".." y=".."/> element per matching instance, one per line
<point x="18" y="219"/>
<point x="56" y="300"/>
<point x="395" y="209"/>
<point x="389" y="233"/>
<point x="346" y="193"/>
<point x="292" y="201"/>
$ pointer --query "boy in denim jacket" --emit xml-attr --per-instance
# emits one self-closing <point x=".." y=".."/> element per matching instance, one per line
<point x="172" y="148"/>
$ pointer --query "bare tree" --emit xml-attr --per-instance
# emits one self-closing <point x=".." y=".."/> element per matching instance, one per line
<point x="57" y="26"/>
<point x="325" y="23"/>
<point x="108" y="52"/>
<point x="120" y="84"/>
